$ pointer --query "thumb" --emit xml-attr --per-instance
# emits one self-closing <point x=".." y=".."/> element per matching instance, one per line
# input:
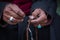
<point x="36" y="12"/>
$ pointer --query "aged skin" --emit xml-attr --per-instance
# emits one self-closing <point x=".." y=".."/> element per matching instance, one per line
<point x="14" y="11"/>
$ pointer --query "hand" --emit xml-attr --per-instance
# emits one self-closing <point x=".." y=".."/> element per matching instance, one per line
<point x="39" y="17"/>
<point x="12" y="10"/>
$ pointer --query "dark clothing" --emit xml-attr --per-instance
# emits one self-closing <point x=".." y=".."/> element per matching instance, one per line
<point x="16" y="32"/>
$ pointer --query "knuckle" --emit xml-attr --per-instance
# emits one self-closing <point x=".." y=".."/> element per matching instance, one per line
<point x="6" y="11"/>
<point x="4" y="14"/>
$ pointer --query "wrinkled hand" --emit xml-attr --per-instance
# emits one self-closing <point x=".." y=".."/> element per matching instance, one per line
<point x="39" y="17"/>
<point x="12" y="10"/>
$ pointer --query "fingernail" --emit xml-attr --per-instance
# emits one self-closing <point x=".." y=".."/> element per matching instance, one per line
<point x="31" y="17"/>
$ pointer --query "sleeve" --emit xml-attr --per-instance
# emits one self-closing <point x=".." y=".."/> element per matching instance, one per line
<point x="49" y="6"/>
<point x="2" y="6"/>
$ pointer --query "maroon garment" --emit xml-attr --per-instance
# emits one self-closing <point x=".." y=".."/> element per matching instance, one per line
<point x="25" y="5"/>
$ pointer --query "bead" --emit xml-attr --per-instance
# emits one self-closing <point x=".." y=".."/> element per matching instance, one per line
<point x="39" y="26"/>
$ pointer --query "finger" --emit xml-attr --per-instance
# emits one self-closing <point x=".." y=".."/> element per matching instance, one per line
<point x="14" y="8"/>
<point x="7" y="11"/>
<point x="17" y="10"/>
<point x="31" y="17"/>
<point x="44" y="21"/>
<point x="8" y="17"/>
<point x="35" y="12"/>
<point x="6" y="20"/>
<point x="42" y="24"/>
<point x="21" y="13"/>
<point x="11" y="13"/>
<point x="40" y="18"/>
<point x="15" y="20"/>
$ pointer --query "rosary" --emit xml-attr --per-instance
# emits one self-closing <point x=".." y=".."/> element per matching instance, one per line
<point x="28" y="30"/>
